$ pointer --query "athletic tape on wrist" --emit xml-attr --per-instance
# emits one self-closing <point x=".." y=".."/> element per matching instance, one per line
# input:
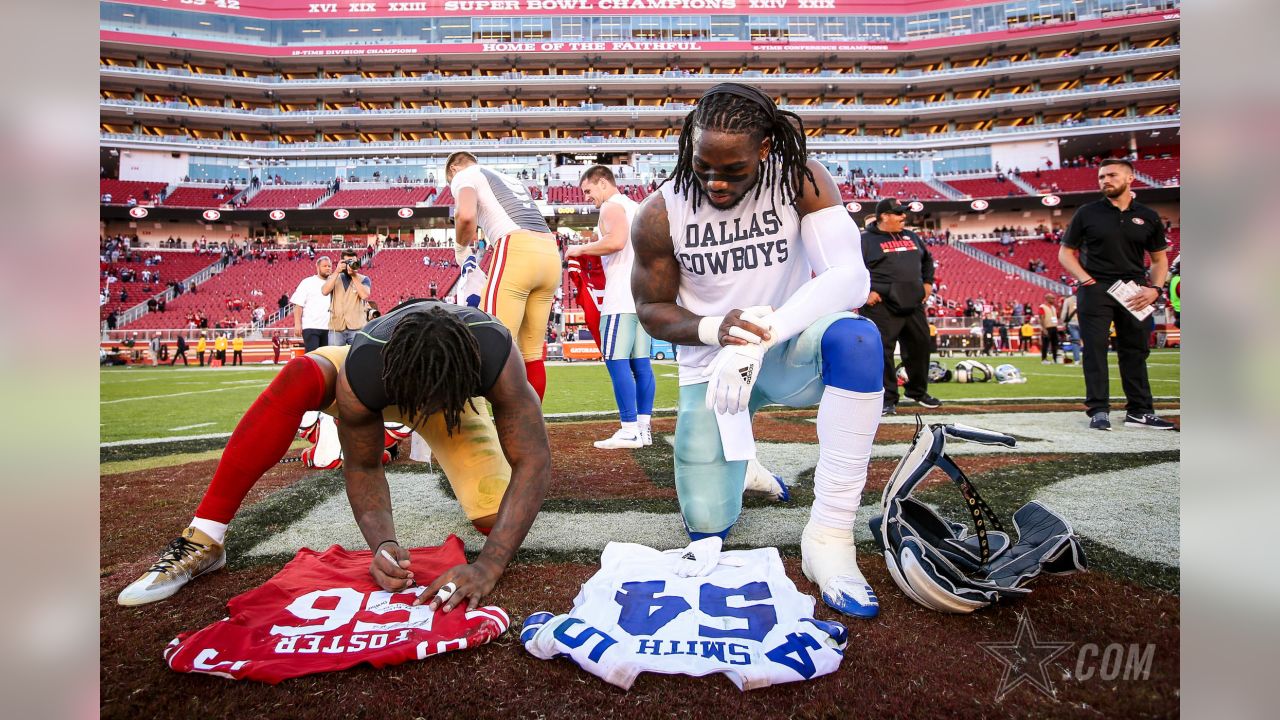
<point x="709" y="329"/>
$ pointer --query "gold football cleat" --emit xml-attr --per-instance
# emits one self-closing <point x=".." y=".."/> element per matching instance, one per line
<point x="188" y="556"/>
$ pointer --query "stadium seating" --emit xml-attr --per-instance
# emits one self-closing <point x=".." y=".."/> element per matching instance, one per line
<point x="284" y="198"/>
<point x="199" y="196"/>
<point x="1026" y="250"/>
<point x="906" y="190"/>
<point x="239" y="281"/>
<point x="566" y="195"/>
<point x="959" y="277"/>
<point x="1069" y="180"/>
<point x="1166" y="170"/>
<point x="176" y="265"/>
<point x="444" y="198"/>
<point x="909" y="190"/>
<point x="121" y="190"/>
<point x="985" y="187"/>
<point x="635" y="192"/>
<point x="400" y="273"/>
<point x="391" y="197"/>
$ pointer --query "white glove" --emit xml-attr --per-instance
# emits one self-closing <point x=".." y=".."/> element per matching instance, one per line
<point x="701" y="557"/>
<point x="462" y="252"/>
<point x="761" y="315"/>
<point x="732" y="376"/>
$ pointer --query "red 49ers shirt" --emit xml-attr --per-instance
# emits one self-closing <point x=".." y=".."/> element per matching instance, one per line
<point x="323" y="612"/>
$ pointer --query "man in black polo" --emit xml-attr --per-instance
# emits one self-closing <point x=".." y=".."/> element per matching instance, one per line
<point x="1106" y="242"/>
<point x="901" y="280"/>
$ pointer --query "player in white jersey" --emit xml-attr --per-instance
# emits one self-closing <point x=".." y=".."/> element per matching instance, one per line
<point x="623" y="343"/>
<point x="747" y="257"/>
<point x="524" y="262"/>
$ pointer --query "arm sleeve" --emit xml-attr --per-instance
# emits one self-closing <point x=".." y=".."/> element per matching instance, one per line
<point x="834" y="247"/>
<point x="299" y="297"/>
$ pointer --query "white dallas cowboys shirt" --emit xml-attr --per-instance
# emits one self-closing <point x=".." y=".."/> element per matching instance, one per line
<point x="636" y="615"/>
<point x="733" y="259"/>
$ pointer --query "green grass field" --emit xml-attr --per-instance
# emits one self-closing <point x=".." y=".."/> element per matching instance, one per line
<point x="145" y="402"/>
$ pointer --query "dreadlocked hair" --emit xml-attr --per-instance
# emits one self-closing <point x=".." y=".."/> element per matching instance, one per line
<point x="431" y="364"/>
<point x="742" y="109"/>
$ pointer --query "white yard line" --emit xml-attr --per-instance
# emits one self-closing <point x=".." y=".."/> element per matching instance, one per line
<point x="160" y="397"/>
<point x="192" y="427"/>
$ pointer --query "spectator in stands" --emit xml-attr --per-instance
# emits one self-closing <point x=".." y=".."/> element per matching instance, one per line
<point x="311" y="307"/>
<point x="348" y="291"/>
<point x="1107" y="241"/>
<point x="901" y="279"/>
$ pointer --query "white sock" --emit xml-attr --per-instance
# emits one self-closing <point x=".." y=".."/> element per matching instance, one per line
<point x="643" y="420"/>
<point x="847" y="423"/>
<point x="215" y="530"/>
<point x="631" y="428"/>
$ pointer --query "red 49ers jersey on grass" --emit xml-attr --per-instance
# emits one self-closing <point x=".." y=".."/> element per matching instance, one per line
<point x="323" y="612"/>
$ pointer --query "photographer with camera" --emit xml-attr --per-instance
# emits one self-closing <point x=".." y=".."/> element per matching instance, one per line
<point x="348" y="291"/>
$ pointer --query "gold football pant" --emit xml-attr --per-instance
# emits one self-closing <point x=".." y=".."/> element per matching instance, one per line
<point x="524" y="272"/>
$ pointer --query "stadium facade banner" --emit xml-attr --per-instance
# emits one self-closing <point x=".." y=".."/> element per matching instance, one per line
<point x="621" y="46"/>
<point x="309" y="10"/>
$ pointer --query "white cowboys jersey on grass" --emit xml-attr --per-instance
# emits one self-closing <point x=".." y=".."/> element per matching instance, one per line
<point x="617" y="266"/>
<point x="636" y="615"/>
<point x="750" y="255"/>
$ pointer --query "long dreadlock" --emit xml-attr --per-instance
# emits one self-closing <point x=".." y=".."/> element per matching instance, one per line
<point x="432" y="364"/>
<point x="737" y="108"/>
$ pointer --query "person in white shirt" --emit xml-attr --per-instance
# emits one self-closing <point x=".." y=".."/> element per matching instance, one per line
<point x="747" y="258"/>
<point x="624" y="345"/>
<point x="311" y="307"/>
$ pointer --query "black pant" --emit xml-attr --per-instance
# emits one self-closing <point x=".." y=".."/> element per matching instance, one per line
<point x="1097" y="310"/>
<point x="237" y="357"/>
<point x="912" y="333"/>
<point x="180" y="354"/>
<point x="1049" y="344"/>
<point x="313" y="338"/>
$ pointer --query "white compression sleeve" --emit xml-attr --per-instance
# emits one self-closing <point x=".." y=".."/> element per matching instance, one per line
<point x="847" y="423"/>
<point x="833" y="246"/>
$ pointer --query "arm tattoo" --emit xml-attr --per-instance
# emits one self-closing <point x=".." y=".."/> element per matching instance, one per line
<point x="655" y="277"/>
<point x="517" y="414"/>
<point x="361" y="434"/>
